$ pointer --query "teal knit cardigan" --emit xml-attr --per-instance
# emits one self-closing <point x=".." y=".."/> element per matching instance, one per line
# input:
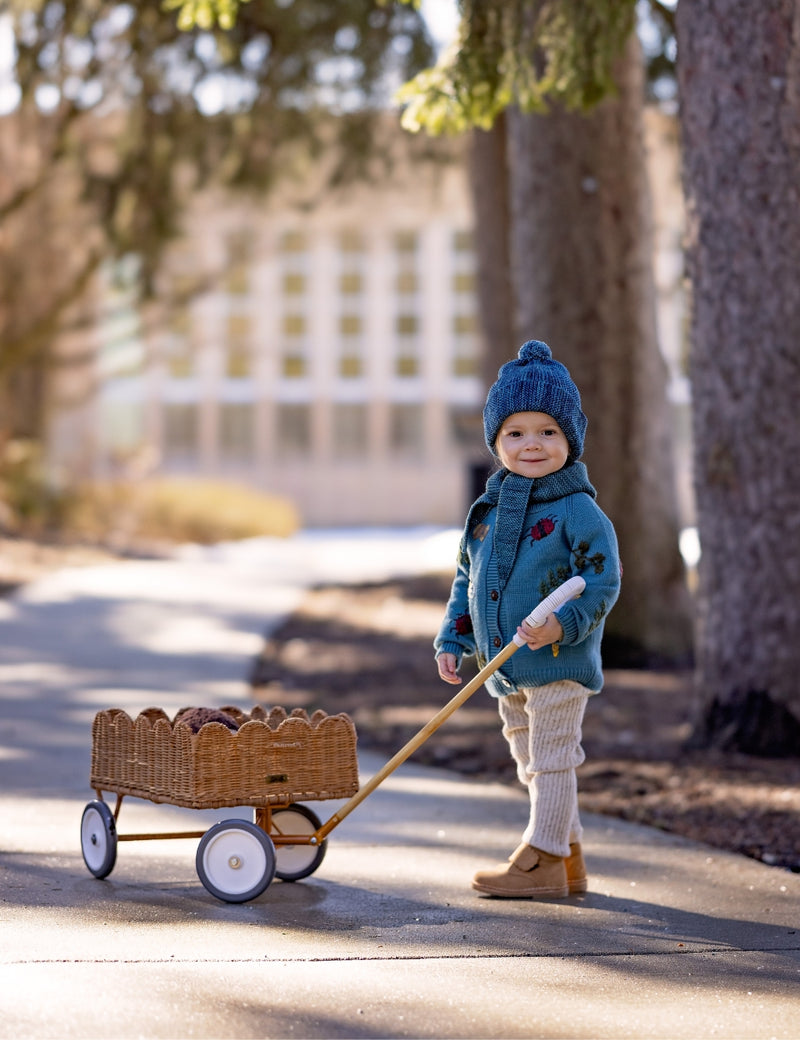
<point x="558" y="531"/>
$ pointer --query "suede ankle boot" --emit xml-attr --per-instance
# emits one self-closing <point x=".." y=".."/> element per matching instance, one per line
<point x="529" y="874"/>
<point x="576" y="870"/>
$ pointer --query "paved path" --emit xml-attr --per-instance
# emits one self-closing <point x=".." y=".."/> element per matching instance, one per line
<point x="385" y="939"/>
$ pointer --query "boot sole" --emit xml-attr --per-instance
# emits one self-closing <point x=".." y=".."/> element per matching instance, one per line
<point x="577" y="887"/>
<point x="530" y="893"/>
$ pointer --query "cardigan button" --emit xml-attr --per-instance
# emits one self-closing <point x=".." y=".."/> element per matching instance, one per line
<point x="497" y="641"/>
<point x="494" y="594"/>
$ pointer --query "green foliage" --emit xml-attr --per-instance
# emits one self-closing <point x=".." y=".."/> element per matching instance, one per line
<point x="204" y="14"/>
<point x="519" y="52"/>
<point x="244" y="95"/>
<point x="140" y="113"/>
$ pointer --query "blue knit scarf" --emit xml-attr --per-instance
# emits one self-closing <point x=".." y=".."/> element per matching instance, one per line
<point x="513" y="494"/>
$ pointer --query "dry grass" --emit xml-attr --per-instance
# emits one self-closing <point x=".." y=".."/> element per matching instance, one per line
<point x="176" y="510"/>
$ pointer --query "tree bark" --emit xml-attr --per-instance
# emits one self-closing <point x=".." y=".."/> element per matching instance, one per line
<point x="583" y="268"/>
<point x="488" y="169"/>
<point x="739" y="81"/>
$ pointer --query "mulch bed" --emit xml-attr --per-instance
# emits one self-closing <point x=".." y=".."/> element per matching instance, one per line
<point x="366" y="650"/>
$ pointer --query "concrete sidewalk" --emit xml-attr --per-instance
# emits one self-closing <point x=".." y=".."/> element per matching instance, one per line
<point x="385" y="939"/>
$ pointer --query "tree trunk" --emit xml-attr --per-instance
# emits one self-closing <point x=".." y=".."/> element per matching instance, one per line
<point x="739" y="77"/>
<point x="583" y="266"/>
<point x="488" y="168"/>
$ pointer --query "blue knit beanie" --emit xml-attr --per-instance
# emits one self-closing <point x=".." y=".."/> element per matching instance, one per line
<point x="535" y="382"/>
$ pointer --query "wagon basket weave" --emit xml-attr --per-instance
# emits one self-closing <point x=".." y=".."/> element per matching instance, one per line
<point x="272" y="759"/>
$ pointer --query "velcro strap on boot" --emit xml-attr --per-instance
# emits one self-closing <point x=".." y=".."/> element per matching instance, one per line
<point x="525" y="857"/>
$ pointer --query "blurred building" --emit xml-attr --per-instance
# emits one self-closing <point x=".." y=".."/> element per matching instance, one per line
<point x="319" y="345"/>
<point x="320" y="352"/>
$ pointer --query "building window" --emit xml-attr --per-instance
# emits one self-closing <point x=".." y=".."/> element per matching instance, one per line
<point x="464" y="323"/>
<point x="180" y="432"/>
<point x="293" y="432"/>
<point x="293" y="260"/>
<point x="405" y="243"/>
<point x="351" y="366"/>
<point x="238" y="360"/>
<point x="406" y="325"/>
<point x="351" y="281"/>
<point x="294" y="366"/>
<point x="294" y="326"/>
<point x="407" y="322"/>
<point x="464" y="282"/>
<point x="236" y="432"/>
<point x="406" y="283"/>
<point x="465" y="342"/>
<point x="350" y="430"/>
<point x="238" y="363"/>
<point x="293" y="242"/>
<point x="406" y="431"/>
<point x="294" y="284"/>
<point x="406" y="357"/>
<point x="406" y="366"/>
<point x="350" y="325"/>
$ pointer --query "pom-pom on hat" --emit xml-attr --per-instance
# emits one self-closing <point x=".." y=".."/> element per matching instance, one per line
<point x="535" y="382"/>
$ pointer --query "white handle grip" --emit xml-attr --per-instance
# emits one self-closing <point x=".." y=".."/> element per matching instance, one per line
<point x="571" y="589"/>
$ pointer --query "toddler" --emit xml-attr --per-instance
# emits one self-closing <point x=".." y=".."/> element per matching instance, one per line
<point x="536" y="525"/>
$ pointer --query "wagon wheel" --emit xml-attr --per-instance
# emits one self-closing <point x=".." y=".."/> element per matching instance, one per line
<point x="235" y="861"/>
<point x="296" y="861"/>
<point x="98" y="838"/>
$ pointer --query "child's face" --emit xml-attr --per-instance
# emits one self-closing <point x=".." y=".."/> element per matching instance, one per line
<point x="532" y="444"/>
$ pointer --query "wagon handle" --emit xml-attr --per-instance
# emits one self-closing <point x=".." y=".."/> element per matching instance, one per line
<point x="568" y="590"/>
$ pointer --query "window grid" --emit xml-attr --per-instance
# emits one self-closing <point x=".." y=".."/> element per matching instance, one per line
<point x="406" y="289"/>
<point x="238" y="352"/>
<point x="293" y="258"/>
<point x="351" y="286"/>
<point x="464" y="319"/>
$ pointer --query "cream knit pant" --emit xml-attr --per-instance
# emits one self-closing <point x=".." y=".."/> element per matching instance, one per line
<point x="542" y="725"/>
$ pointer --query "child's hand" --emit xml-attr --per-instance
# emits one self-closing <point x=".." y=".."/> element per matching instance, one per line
<point x="545" y="635"/>
<point x="447" y="668"/>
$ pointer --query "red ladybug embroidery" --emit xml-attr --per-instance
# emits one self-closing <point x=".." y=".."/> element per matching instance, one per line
<point x="463" y="624"/>
<point x="542" y="528"/>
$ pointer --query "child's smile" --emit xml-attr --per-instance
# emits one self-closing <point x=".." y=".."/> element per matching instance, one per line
<point x="532" y="444"/>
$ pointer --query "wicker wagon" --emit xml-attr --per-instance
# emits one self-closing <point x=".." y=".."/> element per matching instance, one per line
<point x="270" y="761"/>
